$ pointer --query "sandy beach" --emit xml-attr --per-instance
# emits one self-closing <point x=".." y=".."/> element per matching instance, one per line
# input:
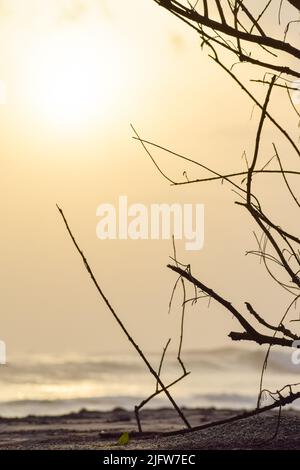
<point x="89" y="430"/>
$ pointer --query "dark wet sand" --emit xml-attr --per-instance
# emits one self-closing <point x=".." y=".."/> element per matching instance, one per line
<point x="101" y="430"/>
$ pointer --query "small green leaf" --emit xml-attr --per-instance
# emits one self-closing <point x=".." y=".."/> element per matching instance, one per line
<point x="124" y="439"/>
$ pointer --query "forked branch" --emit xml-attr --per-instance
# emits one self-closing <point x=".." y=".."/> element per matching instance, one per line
<point x="121" y="324"/>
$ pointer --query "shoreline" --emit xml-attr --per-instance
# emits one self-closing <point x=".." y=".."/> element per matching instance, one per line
<point x="94" y="430"/>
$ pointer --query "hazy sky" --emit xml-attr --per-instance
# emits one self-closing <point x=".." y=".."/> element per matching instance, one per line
<point x="131" y="62"/>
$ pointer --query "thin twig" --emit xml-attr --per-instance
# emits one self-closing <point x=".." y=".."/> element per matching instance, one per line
<point x="121" y="324"/>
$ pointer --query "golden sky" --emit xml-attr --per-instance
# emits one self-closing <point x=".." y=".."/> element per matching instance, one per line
<point x="77" y="74"/>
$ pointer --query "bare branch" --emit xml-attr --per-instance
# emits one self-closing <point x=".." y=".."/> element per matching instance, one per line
<point x="121" y="324"/>
<point x="250" y="333"/>
<point x="194" y="16"/>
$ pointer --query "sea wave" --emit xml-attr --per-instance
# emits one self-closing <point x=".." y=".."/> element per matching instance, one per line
<point x="224" y="377"/>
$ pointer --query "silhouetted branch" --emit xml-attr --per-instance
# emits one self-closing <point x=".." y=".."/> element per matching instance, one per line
<point x="121" y="324"/>
<point x="281" y="402"/>
<point x="203" y="20"/>
<point x="264" y="367"/>
<point x="295" y="3"/>
<point x="250" y="333"/>
<point x="162" y="361"/>
<point x="260" y="339"/>
<point x="285" y="178"/>
<point x="234" y="23"/>
<point x="218" y="176"/>
<point x="279" y="328"/>
<point x="183" y="307"/>
<point x="158" y="390"/>
<point x="276" y="124"/>
<point x="143" y="403"/>
<point x="257" y="141"/>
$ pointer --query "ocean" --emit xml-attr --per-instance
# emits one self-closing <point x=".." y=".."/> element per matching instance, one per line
<point x="221" y="378"/>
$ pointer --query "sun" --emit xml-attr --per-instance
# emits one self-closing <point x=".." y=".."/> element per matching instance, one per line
<point x="73" y="79"/>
